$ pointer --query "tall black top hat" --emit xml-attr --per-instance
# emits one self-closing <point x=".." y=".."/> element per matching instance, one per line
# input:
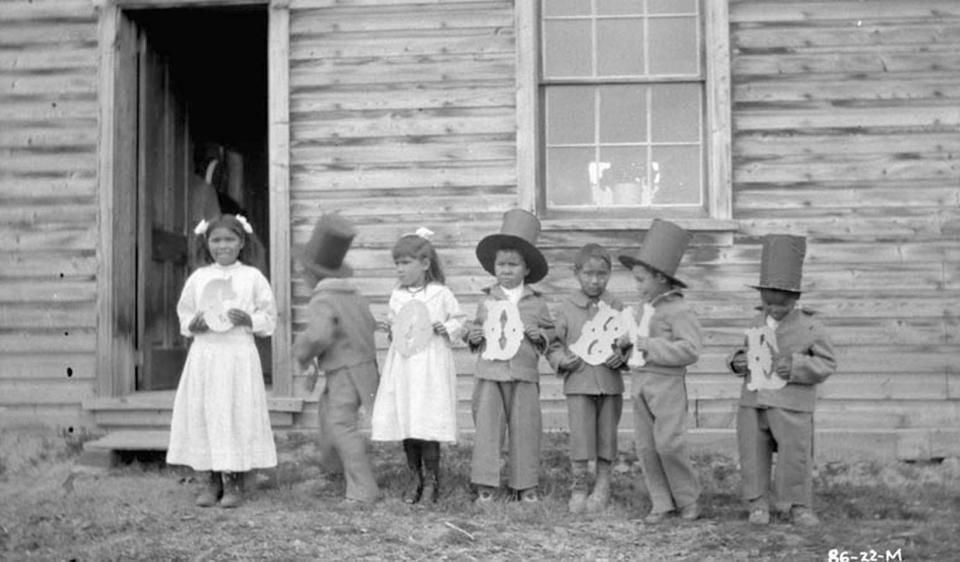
<point x="519" y="232"/>
<point x="781" y="262"/>
<point x="662" y="249"/>
<point x="331" y="238"/>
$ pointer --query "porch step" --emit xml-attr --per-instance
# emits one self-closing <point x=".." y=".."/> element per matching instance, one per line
<point x="147" y="440"/>
<point x="101" y="453"/>
<point x="152" y="411"/>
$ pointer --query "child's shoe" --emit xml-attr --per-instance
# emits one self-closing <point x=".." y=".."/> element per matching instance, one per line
<point x="802" y="515"/>
<point x="431" y="486"/>
<point x="578" y="488"/>
<point x="655" y="517"/>
<point x="529" y="495"/>
<point x="759" y="512"/>
<point x="601" y="489"/>
<point x="690" y="512"/>
<point x="212" y="491"/>
<point x="232" y="489"/>
<point x="484" y="495"/>
<point x="415" y="491"/>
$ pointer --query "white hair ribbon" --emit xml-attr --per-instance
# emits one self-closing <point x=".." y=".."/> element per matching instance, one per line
<point x="246" y="225"/>
<point x="424" y="232"/>
<point x="201" y="227"/>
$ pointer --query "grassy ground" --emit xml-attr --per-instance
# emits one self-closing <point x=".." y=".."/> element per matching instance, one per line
<point x="144" y="511"/>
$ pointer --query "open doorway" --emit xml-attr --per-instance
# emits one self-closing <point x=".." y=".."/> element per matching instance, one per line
<point x="197" y="78"/>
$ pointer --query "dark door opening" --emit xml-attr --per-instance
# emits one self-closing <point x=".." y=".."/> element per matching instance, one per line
<point x="201" y="102"/>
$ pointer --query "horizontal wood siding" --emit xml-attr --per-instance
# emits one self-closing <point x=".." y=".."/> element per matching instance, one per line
<point x="402" y="114"/>
<point x="846" y="127"/>
<point x="48" y="211"/>
<point x="845" y="121"/>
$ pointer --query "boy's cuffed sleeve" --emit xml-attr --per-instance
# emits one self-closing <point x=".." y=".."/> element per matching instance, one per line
<point x="816" y="363"/>
<point x="547" y="328"/>
<point x="319" y="335"/>
<point x="477" y="321"/>
<point x="264" y="316"/>
<point x="682" y="350"/>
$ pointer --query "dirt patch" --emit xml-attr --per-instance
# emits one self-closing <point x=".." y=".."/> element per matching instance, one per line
<point x="144" y="510"/>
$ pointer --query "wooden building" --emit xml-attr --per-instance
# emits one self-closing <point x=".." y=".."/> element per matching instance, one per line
<point x="837" y="120"/>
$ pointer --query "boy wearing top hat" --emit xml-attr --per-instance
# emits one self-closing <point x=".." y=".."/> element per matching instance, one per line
<point x="781" y="419"/>
<point x="339" y="341"/>
<point x="506" y="389"/>
<point x="658" y="387"/>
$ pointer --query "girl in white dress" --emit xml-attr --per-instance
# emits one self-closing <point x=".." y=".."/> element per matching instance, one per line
<point x="417" y="398"/>
<point x="220" y="419"/>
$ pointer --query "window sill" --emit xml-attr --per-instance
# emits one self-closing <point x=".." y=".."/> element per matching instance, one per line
<point x="638" y="223"/>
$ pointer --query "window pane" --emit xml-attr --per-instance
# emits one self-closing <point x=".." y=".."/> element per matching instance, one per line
<point x="678" y="169"/>
<point x="619" y="7"/>
<point x="566" y="7"/>
<point x="569" y="115"/>
<point x="672" y="6"/>
<point x="673" y="46"/>
<point x="624" y="180"/>
<point x="567" y="48"/>
<point x="623" y="113"/>
<point x="620" y="47"/>
<point x="568" y="176"/>
<point x="675" y="113"/>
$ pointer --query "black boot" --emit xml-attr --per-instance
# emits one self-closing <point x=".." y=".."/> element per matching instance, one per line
<point x="431" y="461"/>
<point x="414" y="450"/>
<point x="212" y="490"/>
<point x="232" y="489"/>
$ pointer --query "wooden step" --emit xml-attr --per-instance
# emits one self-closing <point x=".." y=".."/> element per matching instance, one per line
<point x="152" y="410"/>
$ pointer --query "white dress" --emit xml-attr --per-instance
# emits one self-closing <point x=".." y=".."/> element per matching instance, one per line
<point x="417" y="397"/>
<point x="220" y="417"/>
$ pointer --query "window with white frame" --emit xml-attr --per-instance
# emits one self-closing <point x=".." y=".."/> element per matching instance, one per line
<point x="623" y="115"/>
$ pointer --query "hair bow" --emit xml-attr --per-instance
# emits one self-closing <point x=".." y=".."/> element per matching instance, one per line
<point x="424" y="232"/>
<point x="246" y="225"/>
<point x="201" y="227"/>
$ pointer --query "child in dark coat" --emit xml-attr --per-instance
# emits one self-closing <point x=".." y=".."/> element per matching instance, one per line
<point x="592" y="382"/>
<point x="339" y="341"/>
<point x="772" y="419"/>
<point x="506" y="389"/>
<point x="659" y="386"/>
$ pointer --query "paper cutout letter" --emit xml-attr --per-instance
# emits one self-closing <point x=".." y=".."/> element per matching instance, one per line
<point x="503" y="330"/>
<point x="761" y="349"/>
<point x="216" y="299"/>
<point x="412" y="328"/>
<point x="638" y="329"/>
<point x="598" y="335"/>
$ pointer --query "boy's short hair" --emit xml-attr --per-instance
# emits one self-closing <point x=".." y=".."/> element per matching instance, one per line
<point x="589" y="251"/>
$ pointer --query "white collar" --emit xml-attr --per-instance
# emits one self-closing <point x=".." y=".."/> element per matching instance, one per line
<point x="514" y="294"/>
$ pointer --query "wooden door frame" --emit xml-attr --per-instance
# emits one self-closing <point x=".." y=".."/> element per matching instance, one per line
<point x="116" y="356"/>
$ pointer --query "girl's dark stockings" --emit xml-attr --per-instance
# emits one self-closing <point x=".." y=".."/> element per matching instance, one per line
<point x="422" y="455"/>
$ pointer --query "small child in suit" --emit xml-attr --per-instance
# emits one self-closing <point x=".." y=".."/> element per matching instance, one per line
<point x="506" y="388"/>
<point x="339" y="341"/>
<point x="781" y="419"/>
<point x="594" y="390"/>
<point x="659" y="387"/>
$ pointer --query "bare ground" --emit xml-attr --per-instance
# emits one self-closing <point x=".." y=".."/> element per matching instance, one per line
<point x="144" y="511"/>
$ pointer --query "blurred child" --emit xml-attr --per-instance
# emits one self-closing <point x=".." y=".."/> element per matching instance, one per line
<point x="220" y="419"/>
<point x="781" y="419"/>
<point x="417" y="398"/>
<point x="594" y="391"/>
<point x="506" y="389"/>
<point x="339" y="341"/>
<point x="659" y="386"/>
